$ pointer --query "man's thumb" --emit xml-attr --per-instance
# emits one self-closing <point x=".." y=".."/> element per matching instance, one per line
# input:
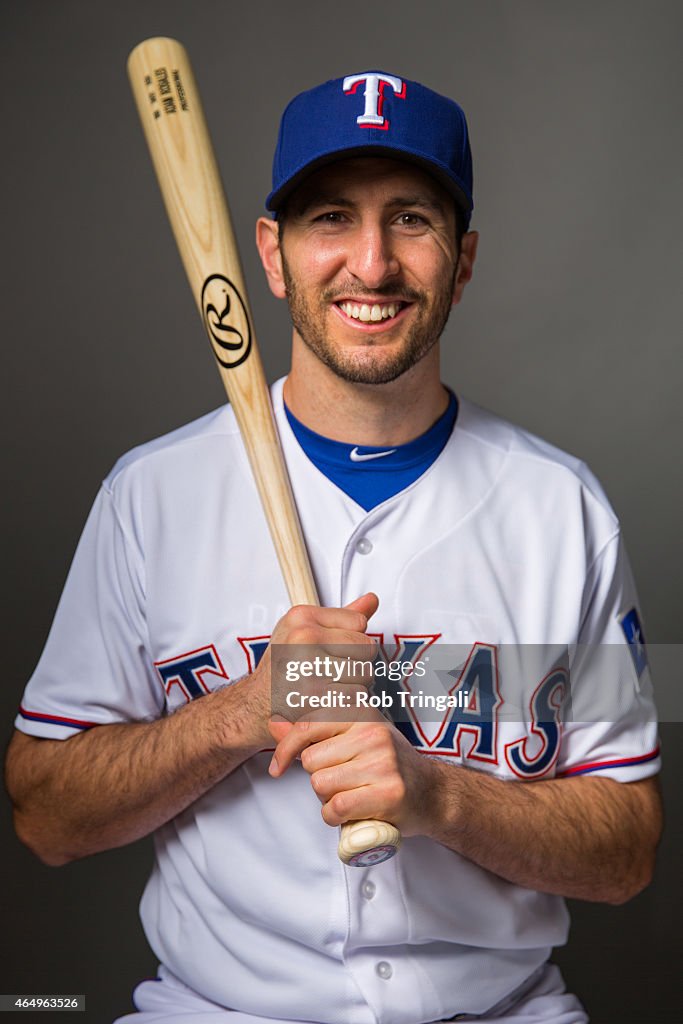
<point x="367" y="604"/>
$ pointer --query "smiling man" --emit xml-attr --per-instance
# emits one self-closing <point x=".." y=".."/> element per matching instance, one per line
<point x="432" y="525"/>
<point x="371" y="260"/>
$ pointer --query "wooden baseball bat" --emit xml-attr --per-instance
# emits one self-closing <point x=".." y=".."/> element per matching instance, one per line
<point x="175" y="128"/>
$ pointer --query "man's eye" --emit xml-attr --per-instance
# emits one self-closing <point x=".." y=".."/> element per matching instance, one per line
<point x="411" y="220"/>
<point x="330" y="217"/>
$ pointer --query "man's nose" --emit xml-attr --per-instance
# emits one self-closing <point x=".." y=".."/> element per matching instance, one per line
<point x="371" y="257"/>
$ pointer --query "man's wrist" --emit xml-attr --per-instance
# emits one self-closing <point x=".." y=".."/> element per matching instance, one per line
<point x="244" y="714"/>
<point x="445" y="797"/>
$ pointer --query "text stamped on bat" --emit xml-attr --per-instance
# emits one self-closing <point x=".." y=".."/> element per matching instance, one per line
<point x="161" y="94"/>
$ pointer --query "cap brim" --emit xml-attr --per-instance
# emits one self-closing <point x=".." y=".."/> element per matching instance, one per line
<point x="278" y="196"/>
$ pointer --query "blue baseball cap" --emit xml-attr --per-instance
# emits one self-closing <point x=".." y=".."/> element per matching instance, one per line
<point x="373" y="113"/>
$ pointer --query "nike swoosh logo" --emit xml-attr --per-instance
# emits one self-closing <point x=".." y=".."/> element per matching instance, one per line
<point x="355" y="455"/>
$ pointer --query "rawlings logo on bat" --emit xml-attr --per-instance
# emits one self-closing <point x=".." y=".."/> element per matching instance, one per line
<point x="226" y="320"/>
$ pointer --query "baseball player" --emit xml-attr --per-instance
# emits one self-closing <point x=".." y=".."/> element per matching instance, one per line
<point x="432" y="526"/>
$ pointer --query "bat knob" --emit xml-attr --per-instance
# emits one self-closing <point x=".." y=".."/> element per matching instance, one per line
<point x="364" y="843"/>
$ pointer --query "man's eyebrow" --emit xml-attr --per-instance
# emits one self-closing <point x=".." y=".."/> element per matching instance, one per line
<point x="420" y="201"/>
<point x="316" y="199"/>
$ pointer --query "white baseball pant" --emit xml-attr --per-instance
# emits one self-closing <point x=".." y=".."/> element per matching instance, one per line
<point x="168" y="1001"/>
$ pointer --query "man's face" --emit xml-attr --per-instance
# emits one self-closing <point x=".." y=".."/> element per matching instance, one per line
<point x="369" y="264"/>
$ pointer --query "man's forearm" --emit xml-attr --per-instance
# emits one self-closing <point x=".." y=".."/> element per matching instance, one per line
<point x="115" y="783"/>
<point x="585" y="838"/>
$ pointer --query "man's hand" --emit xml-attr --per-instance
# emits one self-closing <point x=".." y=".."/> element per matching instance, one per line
<point x="302" y="625"/>
<point x="360" y="770"/>
<point x="321" y="629"/>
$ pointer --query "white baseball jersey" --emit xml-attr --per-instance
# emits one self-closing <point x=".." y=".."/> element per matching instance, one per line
<point x="175" y="587"/>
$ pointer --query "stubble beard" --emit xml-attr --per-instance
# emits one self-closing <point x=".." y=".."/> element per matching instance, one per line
<point x="364" y="367"/>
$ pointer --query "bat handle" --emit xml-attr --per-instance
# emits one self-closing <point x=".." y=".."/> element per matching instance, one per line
<point x="364" y="843"/>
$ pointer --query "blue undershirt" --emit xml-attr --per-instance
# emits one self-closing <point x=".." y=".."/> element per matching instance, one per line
<point x="388" y="470"/>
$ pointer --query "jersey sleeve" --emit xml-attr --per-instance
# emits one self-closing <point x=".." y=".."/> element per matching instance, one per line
<point x="610" y="722"/>
<point x="95" y="668"/>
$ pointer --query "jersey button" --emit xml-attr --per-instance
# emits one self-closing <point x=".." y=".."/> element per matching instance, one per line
<point x="368" y="889"/>
<point x="363" y="546"/>
<point x="384" y="970"/>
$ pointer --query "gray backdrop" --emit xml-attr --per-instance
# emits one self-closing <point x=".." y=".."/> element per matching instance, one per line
<point x="570" y="327"/>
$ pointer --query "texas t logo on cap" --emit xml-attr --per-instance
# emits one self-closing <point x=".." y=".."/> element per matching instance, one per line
<point x="375" y="82"/>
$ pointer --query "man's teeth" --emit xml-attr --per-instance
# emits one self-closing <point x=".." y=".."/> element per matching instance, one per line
<point x="368" y="313"/>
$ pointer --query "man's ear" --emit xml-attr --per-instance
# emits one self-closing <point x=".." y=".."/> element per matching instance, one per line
<point x="268" y="245"/>
<point x="468" y="254"/>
